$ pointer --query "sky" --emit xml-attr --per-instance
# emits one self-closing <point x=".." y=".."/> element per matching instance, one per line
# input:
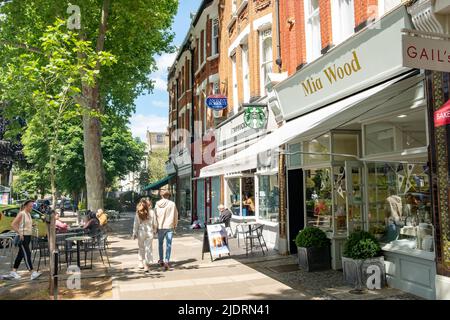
<point x="152" y="109"/>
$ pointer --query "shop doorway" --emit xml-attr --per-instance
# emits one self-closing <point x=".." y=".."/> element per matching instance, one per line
<point x="296" y="214"/>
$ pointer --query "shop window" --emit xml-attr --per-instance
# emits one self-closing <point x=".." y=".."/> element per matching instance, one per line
<point x="266" y="57"/>
<point x="241" y="197"/>
<point x="318" y="188"/>
<point x="343" y="20"/>
<point x="400" y="205"/>
<point x="295" y="157"/>
<point x="215" y="36"/>
<point x="344" y="144"/>
<point x="312" y="30"/>
<point x="269" y="198"/>
<point x="317" y="150"/>
<point x="215" y="196"/>
<point x="396" y="134"/>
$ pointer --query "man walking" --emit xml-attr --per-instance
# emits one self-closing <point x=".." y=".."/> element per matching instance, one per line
<point x="167" y="218"/>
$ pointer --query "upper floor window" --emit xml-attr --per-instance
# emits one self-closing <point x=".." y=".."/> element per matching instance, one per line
<point x="233" y="6"/>
<point x="204" y="45"/>
<point x="386" y="5"/>
<point x="215" y="36"/>
<point x="266" y="57"/>
<point x="245" y="73"/>
<point x="343" y="20"/>
<point x="312" y="30"/>
<point x="159" y="138"/>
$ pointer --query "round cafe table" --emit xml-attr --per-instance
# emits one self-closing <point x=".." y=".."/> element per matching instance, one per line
<point x="79" y="240"/>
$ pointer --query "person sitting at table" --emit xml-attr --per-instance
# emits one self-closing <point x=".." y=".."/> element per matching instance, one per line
<point x="225" y="215"/>
<point x="102" y="217"/>
<point x="92" y="226"/>
<point x="60" y="226"/>
<point x="249" y="203"/>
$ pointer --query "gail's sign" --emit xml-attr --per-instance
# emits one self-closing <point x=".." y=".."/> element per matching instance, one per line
<point x="428" y="54"/>
<point x="442" y="115"/>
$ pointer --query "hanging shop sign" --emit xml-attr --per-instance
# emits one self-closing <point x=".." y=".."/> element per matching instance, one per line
<point x="442" y="115"/>
<point x="217" y="102"/>
<point x="366" y="59"/>
<point x="427" y="54"/>
<point x="255" y="115"/>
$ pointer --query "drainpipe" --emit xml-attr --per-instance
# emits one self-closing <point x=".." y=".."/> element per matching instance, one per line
<point x="192" y="75"/>
<point x="279" y="62"/>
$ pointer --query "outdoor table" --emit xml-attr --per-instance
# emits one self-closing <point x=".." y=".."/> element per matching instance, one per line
<point x="79" y="240"/>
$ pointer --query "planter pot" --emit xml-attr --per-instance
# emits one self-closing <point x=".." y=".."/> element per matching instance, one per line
<point x="357" y="272"/>
<point x="314" y="259"/>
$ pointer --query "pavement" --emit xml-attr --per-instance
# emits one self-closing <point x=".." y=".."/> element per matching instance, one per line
<point x="237" y="277"/>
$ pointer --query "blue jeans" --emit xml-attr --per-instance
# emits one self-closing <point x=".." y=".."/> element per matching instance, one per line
<point x="168" y="235"/>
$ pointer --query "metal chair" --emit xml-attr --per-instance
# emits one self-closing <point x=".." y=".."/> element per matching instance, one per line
<point x="243" y="231"/>
<point x="40" y="245"/>
<point x="256" y="233"/>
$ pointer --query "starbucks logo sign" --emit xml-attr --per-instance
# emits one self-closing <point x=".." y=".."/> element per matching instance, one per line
<point x="255" y="117"/>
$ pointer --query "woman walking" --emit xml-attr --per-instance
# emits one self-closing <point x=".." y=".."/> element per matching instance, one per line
<point x="23" y="225"/>
<point x="144" y="228"/>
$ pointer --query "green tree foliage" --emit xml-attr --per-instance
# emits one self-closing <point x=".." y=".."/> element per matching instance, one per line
<point x="157" y="165"/>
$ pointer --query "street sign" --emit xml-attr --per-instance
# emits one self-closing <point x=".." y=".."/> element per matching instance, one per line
<point x="217" y="102"/>
<point x="255" y="115"/>
<point x="427" y="54"/>
<point x="442" y="115"/>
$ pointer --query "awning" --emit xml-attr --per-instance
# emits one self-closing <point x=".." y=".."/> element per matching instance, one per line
<point x="157" y="185"/>
<point x="304" y="126"/>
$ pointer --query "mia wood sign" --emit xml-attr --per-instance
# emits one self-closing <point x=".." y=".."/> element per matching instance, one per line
<point x="428" y="54"/>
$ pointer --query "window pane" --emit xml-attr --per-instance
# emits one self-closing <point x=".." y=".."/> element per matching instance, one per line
<point x="400" y="205"/>
<point x="234" y="195"/>
<point x="319" y="149"/>
<point x="318" y="198"/>
<point x="344" y="143"/>
<point x="268" y="198"/>
<point x="295" y="157"/>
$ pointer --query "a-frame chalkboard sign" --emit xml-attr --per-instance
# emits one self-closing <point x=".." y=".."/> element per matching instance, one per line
<point x="215" y="241"/>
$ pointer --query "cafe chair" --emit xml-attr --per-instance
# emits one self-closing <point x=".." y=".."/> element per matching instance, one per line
<point x="40" y="245"/>
<point x="256" y="233"/>
<point x="241" y="230"/>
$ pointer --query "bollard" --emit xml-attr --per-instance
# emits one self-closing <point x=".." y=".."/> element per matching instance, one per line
<point x="55" y="274"/>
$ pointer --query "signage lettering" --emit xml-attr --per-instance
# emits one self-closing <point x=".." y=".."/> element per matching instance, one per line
<point x="428" y="54"/>
<point x="333" y="74"/>
<point x="442" y="115"/>
<point x="217" y="102"/>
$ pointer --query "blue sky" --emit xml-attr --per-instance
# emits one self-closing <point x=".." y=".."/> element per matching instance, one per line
<point x="152" y="109"/>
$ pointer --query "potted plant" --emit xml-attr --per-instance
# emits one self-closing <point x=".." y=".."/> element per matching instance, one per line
<point x="362" y="258"/>
<point x="313" y="248"/>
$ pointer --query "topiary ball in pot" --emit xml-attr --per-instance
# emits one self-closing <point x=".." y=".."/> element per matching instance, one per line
<point x="361" y="245"/>
<point x="313" y="249"/>
<point x="311" y="237"/>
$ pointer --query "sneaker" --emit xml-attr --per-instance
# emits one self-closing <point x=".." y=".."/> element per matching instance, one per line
<point x="166" y="266"/>
<point x="161" y="263"/>
<point x="35" y="275"/>
<point x="15" y="275"/>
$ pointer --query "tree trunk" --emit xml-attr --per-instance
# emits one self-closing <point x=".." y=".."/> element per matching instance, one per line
<point x="93" y="157"/>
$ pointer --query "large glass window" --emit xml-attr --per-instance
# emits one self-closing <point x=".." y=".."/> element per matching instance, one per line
<point x="319" y="198"/>
<point x="400" y="205"/>
<point x="312" y="30"/>
<point x="295" y="157"/>
<point x="201" y="209"/>
<point x="234" y="194"/>
<point x="344" y="144"/>
<point x="185" y="196"/>
<point x="215" y="196"/>
<point x="269" y="197"/>
<point x="317" y="150"/>
<point x="241" y="196"/>
<point x="399" y="132"/>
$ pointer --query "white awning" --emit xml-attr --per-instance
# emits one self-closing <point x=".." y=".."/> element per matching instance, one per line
<point x="304" y="126"/>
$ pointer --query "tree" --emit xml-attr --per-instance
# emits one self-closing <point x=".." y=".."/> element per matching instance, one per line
<point x="109" y="26"/>
<point x="157" y="165"/>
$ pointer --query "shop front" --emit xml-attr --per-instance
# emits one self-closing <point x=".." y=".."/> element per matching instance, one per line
<point x="247" y="189"/>
<point x="365" y="166"/>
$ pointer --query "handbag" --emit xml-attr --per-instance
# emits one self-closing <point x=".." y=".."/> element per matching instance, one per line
<point x="17" y="241"/>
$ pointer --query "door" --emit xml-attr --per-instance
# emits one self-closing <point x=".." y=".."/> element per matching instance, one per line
<point x="296" y="214"/>
<point x="354" y="175"/>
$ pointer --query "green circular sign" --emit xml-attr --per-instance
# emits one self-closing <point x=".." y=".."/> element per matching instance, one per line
<point x="254" y="117"/>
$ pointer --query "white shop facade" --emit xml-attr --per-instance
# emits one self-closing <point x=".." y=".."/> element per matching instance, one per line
<point x="248" y="179"/>
<point x="356" y="143"/>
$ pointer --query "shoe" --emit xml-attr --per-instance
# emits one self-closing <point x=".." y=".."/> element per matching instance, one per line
<point x="166" y="266"/>
<point x="141" y="266"/>
<point x="161" y="263"/>
<point x="35" y="275"/>
<point x="15" y="275"/>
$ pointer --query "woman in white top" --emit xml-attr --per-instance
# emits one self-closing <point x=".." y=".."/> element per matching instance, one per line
<point x="144" y="229"/>
<point x="23" y="225"/>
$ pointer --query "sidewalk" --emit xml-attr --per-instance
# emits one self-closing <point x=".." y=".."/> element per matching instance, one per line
<point x="235" y="277"/>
